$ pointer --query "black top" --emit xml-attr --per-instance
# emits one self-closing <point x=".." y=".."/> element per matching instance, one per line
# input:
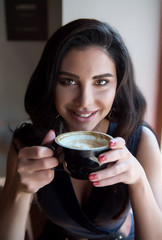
<point x="104" y="212"/>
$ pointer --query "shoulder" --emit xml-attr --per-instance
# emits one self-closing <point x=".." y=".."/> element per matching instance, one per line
<point x="148" y="141"/>
<point x="149" y="155"/>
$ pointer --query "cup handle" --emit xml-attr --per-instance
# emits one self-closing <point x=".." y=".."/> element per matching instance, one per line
<point x="60" y="165"/>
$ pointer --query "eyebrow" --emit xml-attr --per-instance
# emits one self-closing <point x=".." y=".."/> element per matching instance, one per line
<point x="103" y="75"/>
<point x="68" y="74"/>
<point x="77" y="77"/>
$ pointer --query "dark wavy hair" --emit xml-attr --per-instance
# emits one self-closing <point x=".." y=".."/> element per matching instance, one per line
<point x="129" y="104"/>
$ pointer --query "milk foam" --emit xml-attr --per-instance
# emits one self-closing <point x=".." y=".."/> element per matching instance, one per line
<point x="83" y="141"/>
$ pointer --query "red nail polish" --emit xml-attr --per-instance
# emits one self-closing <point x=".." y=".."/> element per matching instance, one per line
<point x="96" y="183"/>
<point x="112" y="143"/>
<point x="102" y="158"/>
<point x="92" y="177"/>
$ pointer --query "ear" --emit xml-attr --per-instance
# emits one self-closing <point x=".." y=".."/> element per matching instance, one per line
<point x="49" y="138"/>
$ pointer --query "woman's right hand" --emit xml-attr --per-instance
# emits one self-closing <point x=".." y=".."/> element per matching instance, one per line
<point x="34" y="165"/>
<point x="27" y="171"/>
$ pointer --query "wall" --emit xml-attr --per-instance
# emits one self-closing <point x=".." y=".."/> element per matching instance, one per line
<point x="138" y="21"/>
<point x="18" y="59"/>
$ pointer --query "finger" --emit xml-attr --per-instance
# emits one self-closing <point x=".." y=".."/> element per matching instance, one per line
<point x="113" y="155"/>
<point x="34" y="181"/>
<point x="117" y="142"/>
<point x="112" y="170"/>
<point x="34" y="152"/>
<point x="49" y="138"/>
<point x="32" y="165"/>
<point x="109" y="181"/>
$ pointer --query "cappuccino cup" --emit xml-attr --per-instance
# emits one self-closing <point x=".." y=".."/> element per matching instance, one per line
<point x="81" y="150"/>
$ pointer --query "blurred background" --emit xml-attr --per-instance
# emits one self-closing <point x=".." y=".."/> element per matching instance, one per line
<point x="138" y="21"/>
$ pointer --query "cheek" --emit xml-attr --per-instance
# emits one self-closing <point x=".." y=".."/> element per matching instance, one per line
<point x="62" y="97"/>
<point x="107" y="97"/>
<point x="58" y="98"/>
<point x="107" y="102"/>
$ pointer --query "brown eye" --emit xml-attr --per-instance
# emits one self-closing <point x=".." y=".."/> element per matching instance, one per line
<point x="101" y="82"/>
<point x="67" y="81"/>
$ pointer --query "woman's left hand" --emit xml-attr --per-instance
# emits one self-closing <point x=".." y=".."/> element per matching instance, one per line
<point x="122" y="166"/>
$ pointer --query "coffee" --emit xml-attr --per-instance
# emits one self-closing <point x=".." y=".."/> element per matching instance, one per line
<point x="83" y="140"/>
<point x="85" y="144"/>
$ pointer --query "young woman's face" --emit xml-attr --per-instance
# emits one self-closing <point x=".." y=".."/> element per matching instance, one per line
<point x="86" y="88"/>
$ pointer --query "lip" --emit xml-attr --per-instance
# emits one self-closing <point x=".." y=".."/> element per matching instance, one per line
<point x="83" y="116"/>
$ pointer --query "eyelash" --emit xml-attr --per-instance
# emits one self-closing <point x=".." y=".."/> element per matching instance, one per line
<point x="99" y="82"/>
<point x="67" y="81"/>
<point x="70" y="82"/>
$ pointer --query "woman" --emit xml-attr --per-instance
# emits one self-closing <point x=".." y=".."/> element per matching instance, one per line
<point x="84" y="81"/>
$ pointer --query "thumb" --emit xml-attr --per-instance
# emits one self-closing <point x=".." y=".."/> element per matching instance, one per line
<point x="49" y="137"/>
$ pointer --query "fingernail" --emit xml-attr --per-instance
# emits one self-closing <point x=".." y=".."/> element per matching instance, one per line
<point x="102" y="158"/>
<point x="112" y="143"/>
<point x="92" y="177"/>
<point x="97" y="183"/>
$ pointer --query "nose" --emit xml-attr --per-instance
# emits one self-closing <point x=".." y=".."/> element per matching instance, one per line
<point x="85" y="97"/>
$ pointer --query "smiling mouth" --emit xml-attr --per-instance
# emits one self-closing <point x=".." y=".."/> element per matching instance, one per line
<point x="83" y="115"/>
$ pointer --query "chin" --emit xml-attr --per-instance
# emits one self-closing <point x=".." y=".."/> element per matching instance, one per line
<point x="82" y="128"/>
